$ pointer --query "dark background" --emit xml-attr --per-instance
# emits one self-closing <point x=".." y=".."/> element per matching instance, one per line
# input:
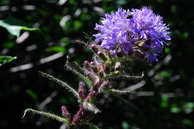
<point x="165" y="102"/>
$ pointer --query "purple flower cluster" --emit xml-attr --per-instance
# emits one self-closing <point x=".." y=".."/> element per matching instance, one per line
<point x="138" y="31"/>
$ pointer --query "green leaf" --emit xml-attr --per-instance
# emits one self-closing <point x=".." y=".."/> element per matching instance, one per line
<point x="175" y="109"/>
<point x="15" y="29"/>
<point x="164" y="101"/>
<point x="9" y="44"/>
<point x="56" y="49"/>
<point x="61" y="83"/>
<point x="6" y="59"/>
<point x="77" y="25"/>
<point x="65" y="40"/>
<point x="188" y="107"/>
<point x="167" y="50"/>
<point x="165" y="74"/>
<point x="128" y="89"/>
<point x="187" y="122"/>
<point x="32" y="94"/>
<point x="81" y="76"/>
<point x="173" y="9"/>
<point x="125" y="125"/>
<point x="46" y="114"/>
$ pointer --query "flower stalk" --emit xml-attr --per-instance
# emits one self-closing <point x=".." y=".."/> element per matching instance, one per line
<point x="123" y="38"/>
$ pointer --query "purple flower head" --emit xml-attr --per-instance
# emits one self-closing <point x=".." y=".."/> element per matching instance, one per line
<point x="136" y="31"/>
<point x="114" y="31"/>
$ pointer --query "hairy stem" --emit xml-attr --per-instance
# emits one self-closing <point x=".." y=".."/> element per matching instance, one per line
<point x="81" y="110"/>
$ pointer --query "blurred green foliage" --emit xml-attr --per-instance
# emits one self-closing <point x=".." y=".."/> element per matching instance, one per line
<point x="6" y="59"/>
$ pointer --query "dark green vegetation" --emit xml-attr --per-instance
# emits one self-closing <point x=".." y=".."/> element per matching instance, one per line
<point x="165" y="102"/>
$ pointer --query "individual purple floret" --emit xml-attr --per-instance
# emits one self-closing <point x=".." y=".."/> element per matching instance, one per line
<point x="136" y="31"/>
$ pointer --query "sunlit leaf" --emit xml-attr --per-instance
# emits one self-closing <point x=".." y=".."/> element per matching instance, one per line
<point x="61" y="83"/>
<point x="80" y="75"/>
<point x="6" y="59"/>
<point x="46" y="114"/>
<point x="15" y="29"/>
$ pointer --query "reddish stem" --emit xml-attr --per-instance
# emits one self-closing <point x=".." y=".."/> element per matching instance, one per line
<point x="80" y="112"/>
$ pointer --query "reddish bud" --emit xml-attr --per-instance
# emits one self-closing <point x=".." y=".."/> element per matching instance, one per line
<point x="65" y="112"/>
<point x="81" y="89"/>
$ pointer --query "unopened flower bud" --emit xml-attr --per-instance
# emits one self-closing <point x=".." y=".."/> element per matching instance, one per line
<point x="65" y="112"/>
<point x="92" y="63"/>
<point x="81" y="89"/>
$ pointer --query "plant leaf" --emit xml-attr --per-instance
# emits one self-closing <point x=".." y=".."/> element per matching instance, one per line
<point x="129" y="89"/>
<point x="61" y="83"/>
<point x="91" y="107"/>
<point x="125" y="76"/>
<point x="81" y="76"/>
<point x="6" y="59"/>
<point x="56" y="49"/>
<point x="15" y="29"/>
<point x="46" y="114"/>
